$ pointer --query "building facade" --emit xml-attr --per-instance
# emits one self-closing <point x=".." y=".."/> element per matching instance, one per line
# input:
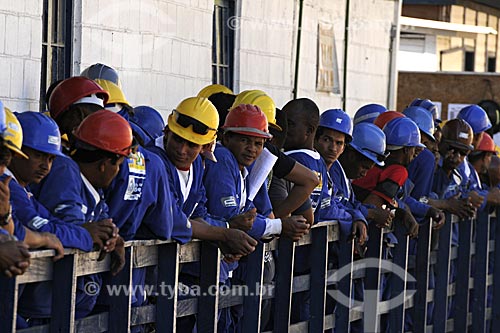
<point x="166" y="50"/>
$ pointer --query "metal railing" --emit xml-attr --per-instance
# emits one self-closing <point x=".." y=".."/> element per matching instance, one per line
<point x="433" y="260"/>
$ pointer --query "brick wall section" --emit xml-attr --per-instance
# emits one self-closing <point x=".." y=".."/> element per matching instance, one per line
<point x="447" y="88"/>
<point x="20" y="53"/>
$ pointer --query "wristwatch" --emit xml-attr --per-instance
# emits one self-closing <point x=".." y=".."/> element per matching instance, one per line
<point x="424" y="200"/>
<point x="5" y="219"/>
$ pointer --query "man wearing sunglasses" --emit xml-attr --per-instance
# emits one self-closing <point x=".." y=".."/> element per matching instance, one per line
<point x="191" y="126"/>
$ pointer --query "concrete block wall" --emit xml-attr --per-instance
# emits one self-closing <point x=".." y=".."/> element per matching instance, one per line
<point x="161" y="48"/>
<point x="274" y="23"/>
<point x="20" y="53"/>
<point x="266" y="33"/>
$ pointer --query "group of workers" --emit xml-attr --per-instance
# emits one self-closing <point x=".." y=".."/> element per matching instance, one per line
<point x="234" y="169"/>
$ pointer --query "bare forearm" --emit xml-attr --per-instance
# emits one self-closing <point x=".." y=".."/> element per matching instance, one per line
<point x="204" y="231"/>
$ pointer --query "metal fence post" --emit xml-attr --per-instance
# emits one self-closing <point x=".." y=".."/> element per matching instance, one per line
<point x="253" y="301"/>
<point x="63" y="295"/>
<point x="8" y="307"/>
<point x="480" y="271"/>
<point x="318" y="259"/>
<point x="442" y="277"/>
<point x="284" y="279"/>
<point x="422" y="276"/>
<point x="119" y="308"/>
<point x="208" y="302"/>
<point x="168" y="273"/>
<point x="371" y="317"/>
<point x="463" y="274"/>
<point x="495" y="314"/>
<point x="398" y="286"/>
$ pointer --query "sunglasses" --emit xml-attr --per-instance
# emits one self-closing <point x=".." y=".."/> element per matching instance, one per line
<point x="380" y="157"/>
<point x="186" y="121"/>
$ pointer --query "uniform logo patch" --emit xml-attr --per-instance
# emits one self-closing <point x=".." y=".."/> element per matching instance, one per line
<point x="134" y="187"/>
<point x="229" y="201"/>
<point x="137" y="163"/>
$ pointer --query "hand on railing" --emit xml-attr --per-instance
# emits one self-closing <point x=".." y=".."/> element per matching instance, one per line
<point x="408" y="221"/>
<point x="294" y="227"/>
<point x="243" y="221"/>
<point x="103" y="233"/>
<point x="460" y="207"/>
<point x="236" y="244"/>
<point x="50" y="241"/>
<point x="437" y="216"/>
<point x="14" y="256"/>
<point x="359" y="232"/>
<point x="475" y="199"/>
<point x="117" y="256"/>
<point x="382" y="217"/>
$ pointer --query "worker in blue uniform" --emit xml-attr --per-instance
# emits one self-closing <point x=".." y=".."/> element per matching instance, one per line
<point x="41" y="144"/>
<point x="191" y="126"/>
<point x="14" y="254"/>
<point x="73" y="189"/>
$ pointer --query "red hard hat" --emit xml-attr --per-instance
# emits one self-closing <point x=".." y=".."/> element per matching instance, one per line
<point x="487" y="144"/>
<point x="70" y="91"/>
<point x="386" y="117"/>
<point x="107" y="131"/>
<point x="248" y="120"/>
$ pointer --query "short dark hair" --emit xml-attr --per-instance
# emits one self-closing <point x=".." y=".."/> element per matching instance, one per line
<point x="279" y="136"/>
<point x="307" y="108"/>
<point x="222" y="103"/>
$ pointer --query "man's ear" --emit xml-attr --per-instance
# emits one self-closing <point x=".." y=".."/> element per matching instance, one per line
<point x="102" y="163"/>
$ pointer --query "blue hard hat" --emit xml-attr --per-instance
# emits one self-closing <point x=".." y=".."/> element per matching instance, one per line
<point x="422" y="118"/>
<point x="476" y="117"/>
<point x="368" y="113"/>
<point x="3" y="126"/>
<point x="429" y="106"/>
<point x="337" y="120"/>
<point x="402" y="132"/>
<point x="149" y="120"/>
<point x="369" y="140"/>
<point x="40" y="132"/>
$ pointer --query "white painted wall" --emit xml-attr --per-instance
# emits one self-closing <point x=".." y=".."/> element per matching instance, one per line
<point x="417" y="54"/>
<point x="163" y="48"/>
<point x="20" y="53"/>
<point x="274" y="23"/>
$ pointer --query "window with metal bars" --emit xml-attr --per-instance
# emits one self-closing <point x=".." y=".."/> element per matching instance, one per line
<point x="223" y="42"/>
<point x="56" y="44"/>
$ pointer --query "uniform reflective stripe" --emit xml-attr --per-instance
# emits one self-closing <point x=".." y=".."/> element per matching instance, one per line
<point x="37" y="222"/>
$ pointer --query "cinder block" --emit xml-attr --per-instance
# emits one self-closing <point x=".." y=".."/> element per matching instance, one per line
<point x="147" y="51"/>
<point x="2" y="33"/>
<point x="36" y="38"/>
<point x="24" y="37"/>
<point x="16" y="78"/>
<point x="5" y="69"/>
<point x="31" y="80"/>
<point x="12" y="34"/>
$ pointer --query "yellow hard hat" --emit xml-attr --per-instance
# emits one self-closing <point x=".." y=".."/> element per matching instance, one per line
<point x="115" y="93"/>
<point x="262" y="100"/>
<point x="214" y="89"/>
<point x="13" y="135"/>
<point x="195" y="119"/>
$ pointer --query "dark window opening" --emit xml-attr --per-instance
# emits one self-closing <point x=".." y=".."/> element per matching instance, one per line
<point x="224" y="24"/>
<point x="469" y="62"/>
<point x="57" y="37"/>
<point x="492" y="64"/>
